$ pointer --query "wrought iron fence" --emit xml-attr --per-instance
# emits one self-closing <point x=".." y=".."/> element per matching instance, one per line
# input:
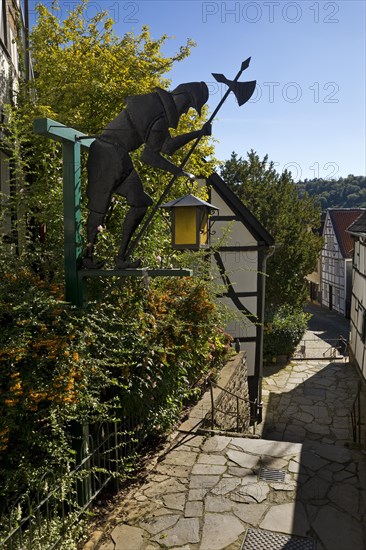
<point x="42" y="520"/>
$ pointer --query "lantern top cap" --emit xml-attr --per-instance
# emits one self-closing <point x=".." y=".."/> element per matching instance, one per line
<point x="188" y="200"/>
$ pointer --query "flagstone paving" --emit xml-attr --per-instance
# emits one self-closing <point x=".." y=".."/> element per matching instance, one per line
<point x="323" y="496"/>
<point x="206" y="493"/>
<point x="309" y="401"/>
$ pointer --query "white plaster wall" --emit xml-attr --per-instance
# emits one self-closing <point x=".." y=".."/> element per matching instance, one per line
<point x="249" y="348"/>
<point x="239" y="326"/>
<point x="359" y="288"/>
<point x="216" y="200"/>
<point x="362" y="261"/>
<point x="234" y="233"/>
<point x="242" y="275"/>
<point x="358" y="306"/>
<point x="332" y="269"/>
<point x="4" y="75"/>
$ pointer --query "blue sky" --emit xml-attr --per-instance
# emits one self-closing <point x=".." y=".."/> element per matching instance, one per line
<point x="308" y="112"/>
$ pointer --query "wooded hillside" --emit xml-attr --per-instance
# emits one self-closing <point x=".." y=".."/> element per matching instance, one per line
<point x="349" y="192"/>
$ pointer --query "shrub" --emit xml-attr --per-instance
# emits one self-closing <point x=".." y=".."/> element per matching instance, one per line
<point x="134" y="350"/>
<point x="284" y="329"/>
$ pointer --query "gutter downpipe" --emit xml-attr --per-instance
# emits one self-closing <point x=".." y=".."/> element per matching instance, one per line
<point x="261" y="328"/>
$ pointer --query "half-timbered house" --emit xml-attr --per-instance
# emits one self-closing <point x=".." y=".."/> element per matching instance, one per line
<point x="240" y="263"/>
<point x="336" y="259"/>
<point x="357" y="343"/>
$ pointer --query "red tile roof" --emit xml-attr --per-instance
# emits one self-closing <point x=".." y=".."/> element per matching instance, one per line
<point x="359" y="226"/>
<point x="342" y="218"/>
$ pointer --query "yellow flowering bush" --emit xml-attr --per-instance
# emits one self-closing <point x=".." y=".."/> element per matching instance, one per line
<point x="135" y="350"/>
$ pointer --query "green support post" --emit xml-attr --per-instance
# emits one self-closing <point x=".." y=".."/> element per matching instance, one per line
<point x="71" y="156"/>
<point x="75" y="278"/>
<point x="72" y="220"/>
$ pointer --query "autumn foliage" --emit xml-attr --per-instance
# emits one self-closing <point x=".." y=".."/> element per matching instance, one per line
<point x="137" y="348"/>
<point x="134" y="350"/>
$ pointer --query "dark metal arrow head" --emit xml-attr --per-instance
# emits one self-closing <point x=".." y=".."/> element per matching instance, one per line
<point x="245" y="64"/>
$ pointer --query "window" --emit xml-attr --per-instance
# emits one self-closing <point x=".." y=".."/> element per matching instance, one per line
<point x="363" y="333"/>
<point x="3" y="24"/>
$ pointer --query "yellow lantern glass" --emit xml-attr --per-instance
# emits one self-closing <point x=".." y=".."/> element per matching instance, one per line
<point x="185" y="225"/>
<point x="189" y="216"/>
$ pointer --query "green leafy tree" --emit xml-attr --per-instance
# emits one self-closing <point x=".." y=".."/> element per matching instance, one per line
<point x="274" y="200"/>
<point x="83" y="72"/>
<point x="284" y="329"/>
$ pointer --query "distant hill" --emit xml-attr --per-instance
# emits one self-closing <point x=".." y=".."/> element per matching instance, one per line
<point x="349" y="192"/>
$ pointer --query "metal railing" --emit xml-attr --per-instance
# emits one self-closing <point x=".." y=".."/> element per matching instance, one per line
<point x="234" y="412"/>
<point x="356" y="418"/>
<point x="316" y="348"/>
<point x="207" y="424"/>
<point x="42" y="520"/>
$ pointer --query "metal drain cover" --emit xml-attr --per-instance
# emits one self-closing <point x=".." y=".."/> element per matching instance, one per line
<point x="269" y="474"/>
<point x="256" y="539"/>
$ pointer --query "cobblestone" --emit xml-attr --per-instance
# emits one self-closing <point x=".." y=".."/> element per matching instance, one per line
<point x="315" y="405"/>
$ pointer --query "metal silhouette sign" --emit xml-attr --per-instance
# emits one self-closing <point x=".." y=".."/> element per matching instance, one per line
<point x="146" y="119"/>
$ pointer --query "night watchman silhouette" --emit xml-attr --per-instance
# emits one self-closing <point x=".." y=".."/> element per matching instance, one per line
<point x="146" y="119"/>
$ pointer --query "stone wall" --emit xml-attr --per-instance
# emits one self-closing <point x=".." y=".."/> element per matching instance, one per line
<point x="227" y="408"/>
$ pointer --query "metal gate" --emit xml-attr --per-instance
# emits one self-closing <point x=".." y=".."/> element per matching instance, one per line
<point x="321" y="340"/>
<point x="314" y="347"/>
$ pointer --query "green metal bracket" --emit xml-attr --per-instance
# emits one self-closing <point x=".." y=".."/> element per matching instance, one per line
<point x="71" y="160"/>
<point x="60" y="132"/>
<point x="73" y="142"/>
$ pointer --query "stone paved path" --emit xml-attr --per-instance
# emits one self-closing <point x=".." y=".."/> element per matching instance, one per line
<point x="205" y="494"/>
<point x="324" y="328"/>
<point x="309" y="401"/>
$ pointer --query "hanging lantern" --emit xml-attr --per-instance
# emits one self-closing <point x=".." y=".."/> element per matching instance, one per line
<point x="189" y="216"/>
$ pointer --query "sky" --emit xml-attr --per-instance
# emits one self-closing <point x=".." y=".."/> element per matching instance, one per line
<point x="308" y="58"/>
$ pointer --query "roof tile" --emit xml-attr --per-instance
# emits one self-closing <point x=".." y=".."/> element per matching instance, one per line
<point x="342" y="218"/>
<point x="358" y="226"/>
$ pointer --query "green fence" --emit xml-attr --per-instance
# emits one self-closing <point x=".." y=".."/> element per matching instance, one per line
<point x="42" y="520"/>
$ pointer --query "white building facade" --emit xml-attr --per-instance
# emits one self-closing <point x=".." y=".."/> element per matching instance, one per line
<point x="12" y="48"/>
<point x="358" y="305"/>
<point x="336" y="259"/>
